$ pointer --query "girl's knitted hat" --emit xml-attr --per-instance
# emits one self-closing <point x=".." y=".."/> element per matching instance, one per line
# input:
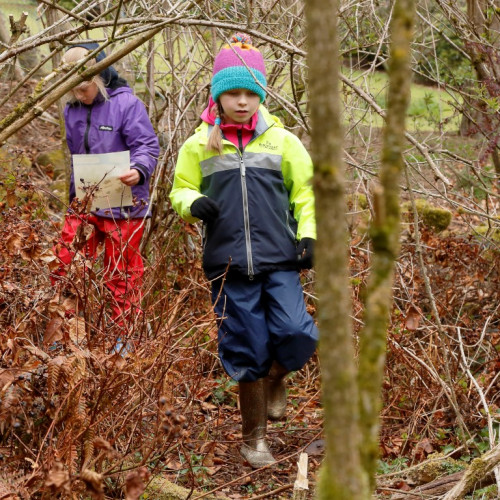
<point x="239" y="66"/>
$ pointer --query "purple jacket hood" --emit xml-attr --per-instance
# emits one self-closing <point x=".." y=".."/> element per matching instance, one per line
<point x="120" y="123"/>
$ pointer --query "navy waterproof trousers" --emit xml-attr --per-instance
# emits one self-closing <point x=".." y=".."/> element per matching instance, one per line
<point x="261" y="321"/>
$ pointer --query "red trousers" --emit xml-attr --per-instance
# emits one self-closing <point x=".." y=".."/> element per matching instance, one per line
<point x="123" y="266"/>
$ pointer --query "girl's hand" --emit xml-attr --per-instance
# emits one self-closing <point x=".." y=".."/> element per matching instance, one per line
<point x="131" y="178"/>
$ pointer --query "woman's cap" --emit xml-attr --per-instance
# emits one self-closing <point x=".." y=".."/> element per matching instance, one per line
<point x="239" y="66"/>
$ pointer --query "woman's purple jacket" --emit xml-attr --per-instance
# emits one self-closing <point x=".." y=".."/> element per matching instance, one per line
<point x="108" y="126"/>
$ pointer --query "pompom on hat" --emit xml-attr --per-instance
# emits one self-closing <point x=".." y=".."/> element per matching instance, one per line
<point x="238" y="66"/>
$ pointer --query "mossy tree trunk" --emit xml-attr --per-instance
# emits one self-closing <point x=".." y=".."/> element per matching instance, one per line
<point x="351" y="427"/>
<point x="384" y="236"/>
<point x="342" y="477"/>
<point x="53" y="16"/>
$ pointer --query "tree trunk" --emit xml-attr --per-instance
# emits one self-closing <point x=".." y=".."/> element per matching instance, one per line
<point x="486" y="67"/>
<point x="14" y="71"/>
<point x="385" y="236"/>
<point x="341" y="477"/>
<point x="53" y="15"/>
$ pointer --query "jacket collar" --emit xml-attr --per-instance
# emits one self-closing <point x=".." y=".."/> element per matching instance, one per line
<point x="264" y="122"/>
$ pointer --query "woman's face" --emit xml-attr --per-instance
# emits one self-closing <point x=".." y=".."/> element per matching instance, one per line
<point x="86" y="92"/>
<point x="239" y="105"/>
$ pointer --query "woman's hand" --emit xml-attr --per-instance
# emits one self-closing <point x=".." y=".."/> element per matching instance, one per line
<point x="131" y="178"/>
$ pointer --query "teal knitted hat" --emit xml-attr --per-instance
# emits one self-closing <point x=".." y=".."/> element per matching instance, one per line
<point x="239" y="66"/>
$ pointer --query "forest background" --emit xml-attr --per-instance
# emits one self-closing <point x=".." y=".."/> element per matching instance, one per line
<point x="78" y="422"/>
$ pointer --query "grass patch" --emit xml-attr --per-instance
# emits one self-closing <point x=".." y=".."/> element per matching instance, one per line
<point x="430" y="108"/>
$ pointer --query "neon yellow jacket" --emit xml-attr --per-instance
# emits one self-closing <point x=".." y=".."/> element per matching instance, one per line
<point x="264" y="194"/>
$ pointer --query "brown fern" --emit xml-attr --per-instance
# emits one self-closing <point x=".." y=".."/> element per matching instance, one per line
<point x="54" y="369"/>
<point x="88" y="445"/>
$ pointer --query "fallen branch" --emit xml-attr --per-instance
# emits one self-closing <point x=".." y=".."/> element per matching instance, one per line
<point x="162" y="489"/>
<point x="478" y="470"/>
<point x="439" y="486"/>
<point x="455" y="486"/>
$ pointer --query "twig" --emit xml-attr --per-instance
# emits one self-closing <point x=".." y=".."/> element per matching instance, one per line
<point x="273" y="492"/>
<point x="491" y="432"/>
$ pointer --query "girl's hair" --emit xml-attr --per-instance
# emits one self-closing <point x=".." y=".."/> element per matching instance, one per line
<point x="215" y="138"/>
<point x="76" y="54"/>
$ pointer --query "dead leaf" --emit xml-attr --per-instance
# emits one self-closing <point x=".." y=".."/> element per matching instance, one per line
<point x="76" y="329"/>
<point x="83" y="234"/>
<point x="38" y="353"/>
<point x="13" y="244"/>
<point x="6" y="377"/>
<point x="53" y="331"/>
<point x="50" y="259"/>
<point x="58" y="478"/>
<point x="413" y="317"/>
<point x="208" y="460"/>
<point x="109" y="452"/>
<point x="426" y="445"/>
<point x="31" y="252"/>
<point x="423" y="449"/>
<point x="116" y="361"/>
<point x="402" y="485"/>
<point x="135" y="483"/>
<point x="94" y="483"/>
<point x="69" y="304"/>
<point x="210" y="471"/>
<point x="11" y="198"/>
<point x="55" y="306"/>
<point x="316" y="447"/>
<point x="208" y="406"/>
<point x="102" y="444"/>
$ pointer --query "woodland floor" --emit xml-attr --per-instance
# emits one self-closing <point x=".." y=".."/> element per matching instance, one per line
<point x="416" y="419"/>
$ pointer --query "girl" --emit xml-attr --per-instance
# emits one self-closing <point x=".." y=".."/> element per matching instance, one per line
<point x="103" y="116"/>
<point x="249" y="180"/>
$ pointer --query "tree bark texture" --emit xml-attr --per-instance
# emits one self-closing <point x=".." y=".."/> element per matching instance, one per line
<point x="341" y="477"/>
<point x="53" y="16"/>
<point x="485" y="29"/>
<point x="384" y="237"/>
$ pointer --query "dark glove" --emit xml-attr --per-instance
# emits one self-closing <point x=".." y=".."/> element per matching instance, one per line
<point x="205" y="209"/>
<point x="305" y="253"/>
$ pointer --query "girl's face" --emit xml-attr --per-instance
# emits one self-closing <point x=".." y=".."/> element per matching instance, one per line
<point x="239" y="105"/>
<point x="86" y="92"/>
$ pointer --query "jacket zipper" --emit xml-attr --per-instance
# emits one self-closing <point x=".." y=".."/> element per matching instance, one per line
<point x="246" y="215"/>
<point x="288" y="226"/>
<point x="87" y="130"/>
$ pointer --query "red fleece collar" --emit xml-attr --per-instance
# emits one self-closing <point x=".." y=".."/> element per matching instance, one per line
<point x="208" y="116"/>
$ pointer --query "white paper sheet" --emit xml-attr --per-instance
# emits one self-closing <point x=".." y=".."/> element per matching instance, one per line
<point x="104" y="171"/>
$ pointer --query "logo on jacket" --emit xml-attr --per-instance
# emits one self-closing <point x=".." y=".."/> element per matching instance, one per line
<point x="109" y="128"/>
<point x="268" y="145"/>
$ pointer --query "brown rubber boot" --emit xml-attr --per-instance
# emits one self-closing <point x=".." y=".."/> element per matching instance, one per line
<point x="253" y="408"/>
<point x="276" y="391"/>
